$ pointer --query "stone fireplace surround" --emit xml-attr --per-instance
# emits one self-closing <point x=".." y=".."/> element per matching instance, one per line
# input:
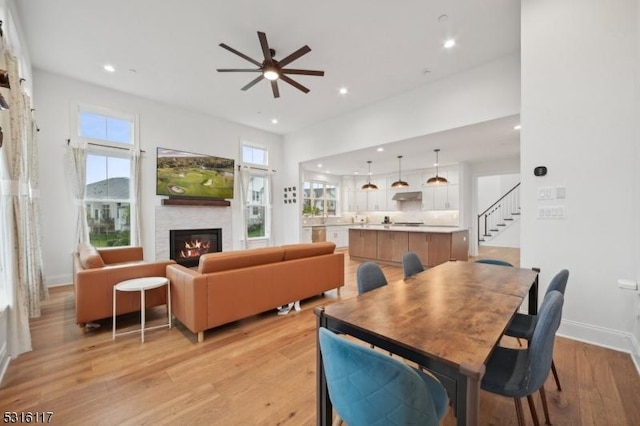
<point x="191" y="217"/>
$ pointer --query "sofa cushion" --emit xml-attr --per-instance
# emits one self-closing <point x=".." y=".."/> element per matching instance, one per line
<point x="89" y="256"/>
<point x="226" y="260"/>
<point x="299" y="251"/>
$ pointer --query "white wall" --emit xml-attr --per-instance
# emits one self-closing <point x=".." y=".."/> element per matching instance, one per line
<point x="580" y="76"/>
<point x="484" y="93"/>
<point x="160" y="125"/>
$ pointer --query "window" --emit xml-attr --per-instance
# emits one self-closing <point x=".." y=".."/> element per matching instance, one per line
<point x="257" y="220"/>
<point x="257" y="207"/>
<point x="108" y="185"/>
<point x="319" y="198"/>
<point x="254" y="155"/>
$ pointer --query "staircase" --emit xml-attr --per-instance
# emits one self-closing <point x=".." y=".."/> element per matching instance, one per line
<point x="499" y="215"/>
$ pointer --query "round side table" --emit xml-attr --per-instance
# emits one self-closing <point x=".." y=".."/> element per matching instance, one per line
<point x="141" y="285"/>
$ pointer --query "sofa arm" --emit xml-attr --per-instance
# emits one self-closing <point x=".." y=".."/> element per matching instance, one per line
<point x="189" y="298"/>
<point x="94" y="289"/>
<point x="113" y="255"/>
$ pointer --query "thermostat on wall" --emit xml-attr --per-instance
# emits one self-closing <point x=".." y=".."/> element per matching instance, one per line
<point x="540" y="171"/>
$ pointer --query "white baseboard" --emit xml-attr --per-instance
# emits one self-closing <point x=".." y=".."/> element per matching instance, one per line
<point x="58" y="280"/>
<point x="604" y="337"/>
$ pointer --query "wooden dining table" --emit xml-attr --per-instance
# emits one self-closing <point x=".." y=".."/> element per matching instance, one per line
<point x="446" y="319"/>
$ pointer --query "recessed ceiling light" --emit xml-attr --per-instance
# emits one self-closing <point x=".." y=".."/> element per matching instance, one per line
<point x="274" y="121"/>
<point x="356" y="172"/>
<point x="449" y="43"/>
<point x="443" y="18"/>
<point x="319" y="165"/>
<point x="380" y="149"/>
<point x="517" y="127"/>
<point x="343" y="91"/>
<point x="109" y="68"/>
<point x="328" y="171"/>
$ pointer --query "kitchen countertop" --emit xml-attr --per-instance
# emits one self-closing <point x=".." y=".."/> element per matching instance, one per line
<point x="420" y="228"/>
<point x="315" y="225"/>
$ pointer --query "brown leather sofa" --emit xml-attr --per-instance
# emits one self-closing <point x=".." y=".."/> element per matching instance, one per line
<point x="228" y="286"/>
<point x="96" y="271"/>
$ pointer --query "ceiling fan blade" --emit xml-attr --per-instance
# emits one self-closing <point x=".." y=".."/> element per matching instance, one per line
<point x="295" y="55"/>
<point x="274" y="87"/>
<point x="253" y="82"/>
<point x="242" y="55"/>
<point x="265" y="46"/>
<point x="237" y="70"/>
<point x="294" y="83"/>
<point x="302" y="72"/>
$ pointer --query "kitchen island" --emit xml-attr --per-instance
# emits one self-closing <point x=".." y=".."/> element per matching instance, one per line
<point x="387" y="243"/>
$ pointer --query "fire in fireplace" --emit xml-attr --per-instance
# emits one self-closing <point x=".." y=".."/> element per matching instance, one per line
<point x="187" y="245"/>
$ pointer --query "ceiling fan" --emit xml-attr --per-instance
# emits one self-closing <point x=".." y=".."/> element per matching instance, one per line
<point x="272" y="69"/>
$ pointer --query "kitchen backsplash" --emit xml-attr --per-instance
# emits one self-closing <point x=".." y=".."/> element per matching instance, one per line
<point x="431" y="218"/>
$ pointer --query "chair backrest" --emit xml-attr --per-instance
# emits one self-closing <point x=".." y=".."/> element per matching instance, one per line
<point x="411" y="264"/>
<point x="541" y="346"/>
<point x="367" y="387"/>
<point x="494" y="262"/>
<point x="559" y="282"/>
<point x="369" y="276"/>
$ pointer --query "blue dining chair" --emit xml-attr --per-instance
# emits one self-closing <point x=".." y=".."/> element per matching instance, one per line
<point x="367" y="387"/>
<point x="411" y="264"/>
<point x="369" y="276"/>
<point x="517" y="373"/>
<point x="522" y="325"/>
<point x="494" y="262"/>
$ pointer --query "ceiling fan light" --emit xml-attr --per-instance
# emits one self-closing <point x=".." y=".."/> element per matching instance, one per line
<point x="271" y="74"/>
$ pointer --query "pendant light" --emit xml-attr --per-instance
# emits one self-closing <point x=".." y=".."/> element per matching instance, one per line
<point x="399" y="183"/>
<point x="369" y="186"/>
<point x="437" y="180"/>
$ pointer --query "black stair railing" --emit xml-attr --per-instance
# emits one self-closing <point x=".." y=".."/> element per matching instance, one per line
<point x="493" y="218"/>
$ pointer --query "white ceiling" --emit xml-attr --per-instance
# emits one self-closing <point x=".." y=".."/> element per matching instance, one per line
<point x="168" y="51"/>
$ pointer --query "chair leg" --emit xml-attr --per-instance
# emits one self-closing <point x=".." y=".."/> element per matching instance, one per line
<point x="545" y="407"/>
<point x="555" y="374"/>
<point x="532" y="408"/>
<point x="519" y="413"/>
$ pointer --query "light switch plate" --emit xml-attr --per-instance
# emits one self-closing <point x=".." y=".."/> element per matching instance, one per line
<point x="546" y="193"/>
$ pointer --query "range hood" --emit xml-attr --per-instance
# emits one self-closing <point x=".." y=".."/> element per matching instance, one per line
<point x="408" y="196"/>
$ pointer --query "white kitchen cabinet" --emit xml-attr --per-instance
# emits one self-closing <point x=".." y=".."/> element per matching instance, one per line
<point x="338" y="235"/>
<point x="377" y="199"/>
<point x="306" y="234"/>
<point x="441" y="197"/>
<point x="348" y="202"/>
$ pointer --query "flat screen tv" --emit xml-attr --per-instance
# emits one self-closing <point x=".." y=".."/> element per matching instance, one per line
<point x="182" y="174"/>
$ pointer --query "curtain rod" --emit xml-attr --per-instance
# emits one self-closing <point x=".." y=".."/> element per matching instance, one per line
<point x="256" y="168"/>
<point x="106" y="146"/>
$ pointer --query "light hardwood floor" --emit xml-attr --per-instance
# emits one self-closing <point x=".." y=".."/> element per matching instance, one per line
<point x="259" y="371"/>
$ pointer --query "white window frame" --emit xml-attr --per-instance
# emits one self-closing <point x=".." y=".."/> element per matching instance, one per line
<point x="324" y="198"/>
<point x="111" y="149"/>
<point x="257" y="170"/>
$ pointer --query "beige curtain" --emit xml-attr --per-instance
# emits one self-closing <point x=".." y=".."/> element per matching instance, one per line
<point x="76" y="169"/>
<point x="21" y="256"/>
<point x="135" y="222"/>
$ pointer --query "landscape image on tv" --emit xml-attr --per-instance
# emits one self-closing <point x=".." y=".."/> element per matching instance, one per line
<point x="185" y="174"/>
